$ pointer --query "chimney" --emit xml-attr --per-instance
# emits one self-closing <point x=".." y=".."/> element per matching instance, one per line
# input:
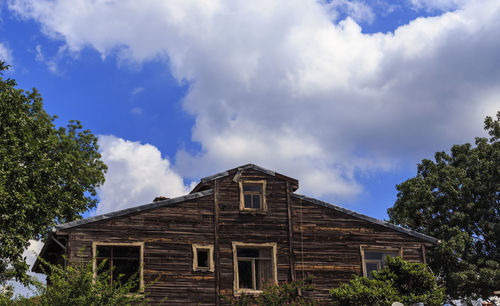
<point x="160" y="198"/>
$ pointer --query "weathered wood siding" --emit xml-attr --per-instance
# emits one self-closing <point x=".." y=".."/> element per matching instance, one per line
<point x="326" y="242"/>
<point x="167" y="233"/>
<point x="271" y="226"/>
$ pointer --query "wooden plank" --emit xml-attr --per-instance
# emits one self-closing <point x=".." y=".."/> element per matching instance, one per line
<point x="290" y="230"/>
<point x="216" y="241"/>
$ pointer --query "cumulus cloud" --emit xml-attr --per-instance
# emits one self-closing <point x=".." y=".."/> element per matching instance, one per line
<point x="279" y="84"/>
<point x="136" y="174"/>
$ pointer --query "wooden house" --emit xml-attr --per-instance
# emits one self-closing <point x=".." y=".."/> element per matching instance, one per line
<point x="235" y="232"/>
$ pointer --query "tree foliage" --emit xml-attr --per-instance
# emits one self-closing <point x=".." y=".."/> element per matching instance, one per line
<point x="456" y="198"/>
<point x="398" y="281"/>
<point x="77" y="285"/>
<point x="47" y="174"/>
<point x="293" y="293"/>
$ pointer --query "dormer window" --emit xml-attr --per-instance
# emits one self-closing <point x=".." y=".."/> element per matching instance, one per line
<point x="253" y="195"/>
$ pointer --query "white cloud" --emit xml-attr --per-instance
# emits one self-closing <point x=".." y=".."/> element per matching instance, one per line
<point x="5" y="54"/>
<point x="52" y="63"/>
<point x="357" y="10"/>
<point x="278" y="84"/>
<point x="136" y="174"/>
<point x="438" y="5"/>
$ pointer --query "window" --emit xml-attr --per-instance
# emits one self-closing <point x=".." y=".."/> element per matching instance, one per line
<point x="254" y="266"/>
<point x="253" y="195"/>
<point x="120" y="259"/>
<point x="203" y="257"/>
<point x="374" y="258"/>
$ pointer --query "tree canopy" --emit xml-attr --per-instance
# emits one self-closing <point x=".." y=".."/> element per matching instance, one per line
<point x="48" y="174"/>
<point x="456" y="198"/>
<point x="398" y="281"/>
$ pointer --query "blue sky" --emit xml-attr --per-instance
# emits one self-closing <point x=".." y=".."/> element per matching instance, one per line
<point x="151" y="94"/>
<point x="346" y="96"/>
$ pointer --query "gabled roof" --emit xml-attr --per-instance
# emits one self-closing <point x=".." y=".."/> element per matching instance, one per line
<point x="203" y="189"/>
<point x="195" y="195"/>
<point x="368" y="218"/>
<point x="127" y="211"/>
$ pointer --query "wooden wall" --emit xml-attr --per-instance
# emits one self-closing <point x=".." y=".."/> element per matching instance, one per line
<point x="251" y="228"/>
<point x="168" y="234"/>
<point x="326" y="242"/>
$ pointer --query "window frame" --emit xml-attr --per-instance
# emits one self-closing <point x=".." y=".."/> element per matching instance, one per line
<point x="141" y="259"/>
<point x="382" y="249"/>
<point x="263" y="207"/>
<point x="210" y="248"/>
<point x="237" y="291"/>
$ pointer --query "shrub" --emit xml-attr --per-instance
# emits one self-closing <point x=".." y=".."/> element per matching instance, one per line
<point x="77" y="285"/>
<point x="398" y="281"/>
<point x="281" y="294"/>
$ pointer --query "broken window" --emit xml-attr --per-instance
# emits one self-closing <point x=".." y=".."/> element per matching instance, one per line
<point x="253" y="195"/>
<point x="121" y="261"/>
<point x="255" y="266"/>
<point x="203" y="257"/>
<point x="374" y="259"/>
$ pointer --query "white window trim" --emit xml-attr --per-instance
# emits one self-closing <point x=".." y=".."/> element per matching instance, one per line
<point x="364" y="248"/>
<point x="141" y="269"/>
<point x="210" y="249"/>
<point x="242" y="198"/>
<point x="236" y="290"/>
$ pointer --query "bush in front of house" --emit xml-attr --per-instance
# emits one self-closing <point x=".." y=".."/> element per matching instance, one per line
<point x="77" y="285"/>
<point x="398" y="281"/>
<point x="276" y="295"/>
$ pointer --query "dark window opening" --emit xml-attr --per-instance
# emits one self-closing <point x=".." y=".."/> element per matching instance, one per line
<point x="203" y="258"/>
<point x="255" y="268"/>
<point x="121" y="262"/>
<point x="202" y="255"/>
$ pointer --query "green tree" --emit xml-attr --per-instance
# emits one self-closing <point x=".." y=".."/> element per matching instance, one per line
<point x="398" y="281"/>
<point x="77" y="285"/>
<point x="47" y="174"/>
<point x="456" y="198"/>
